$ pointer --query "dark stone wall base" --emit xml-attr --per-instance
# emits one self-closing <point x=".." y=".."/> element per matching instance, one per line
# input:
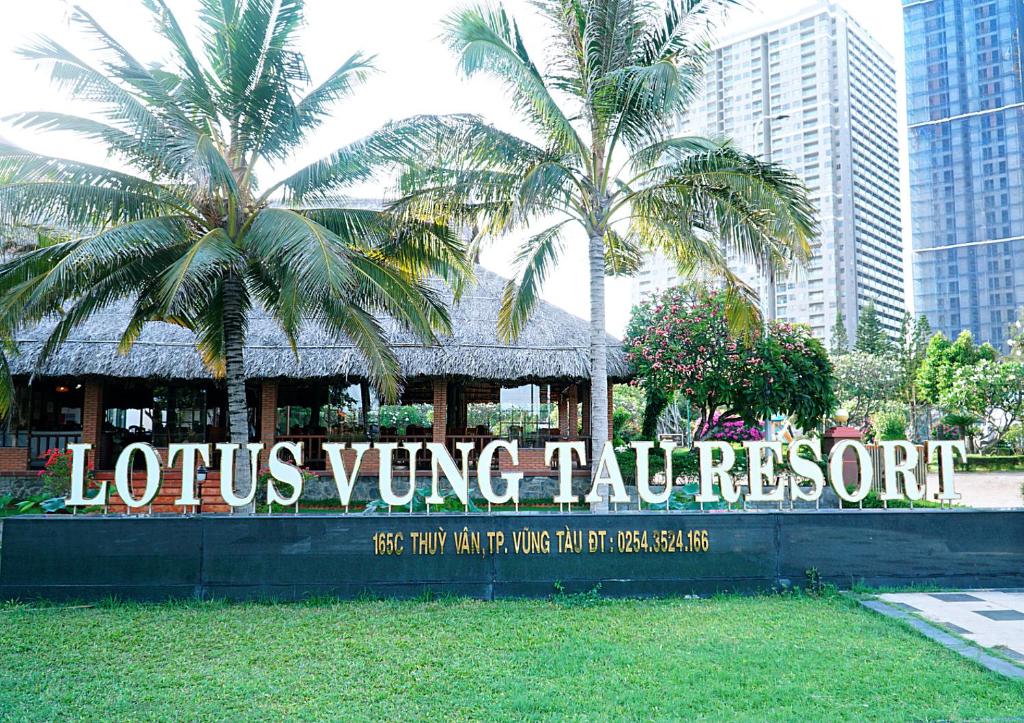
<point x="292" y="557"/>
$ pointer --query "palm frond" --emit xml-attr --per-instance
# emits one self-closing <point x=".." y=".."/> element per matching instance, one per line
<point x="315" y="254"/>
<point x="533" y="262"/>
<point x="487" y="39"/>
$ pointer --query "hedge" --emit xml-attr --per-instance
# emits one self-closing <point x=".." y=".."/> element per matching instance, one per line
<point x="993" y="463"/>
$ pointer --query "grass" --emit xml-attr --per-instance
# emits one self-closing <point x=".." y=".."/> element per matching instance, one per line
<point x="785" y="657"/>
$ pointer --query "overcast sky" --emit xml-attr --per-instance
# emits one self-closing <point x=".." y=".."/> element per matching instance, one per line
<point x="417" y="75"/>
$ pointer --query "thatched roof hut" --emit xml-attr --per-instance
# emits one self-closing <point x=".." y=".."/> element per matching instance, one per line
<point x="553" y="345"/>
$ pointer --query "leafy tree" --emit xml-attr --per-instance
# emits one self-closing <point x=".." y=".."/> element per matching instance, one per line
<point x="840" y="339"/>
<point x="629" y="401"/>
<point x="604" y="157"/>
<point x="655" y="401"/>
<point x="989" y="391"/>
<point x="941" y="361"/>
<point x="911" y="346"/>
<point x="865" y="382"/>
<point x="188" y="234"/>
<point x="687" y="348"/>
<point x="871" y="337"/>
<point x="1016" y="340"/>
<point x="890" y="422"/>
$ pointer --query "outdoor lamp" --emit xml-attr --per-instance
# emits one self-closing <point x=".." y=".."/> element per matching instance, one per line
<point x="841" y="416"/>
<point x="201" y="473"/>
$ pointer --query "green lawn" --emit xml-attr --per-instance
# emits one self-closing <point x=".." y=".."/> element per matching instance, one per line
<point x="792" y="658"/>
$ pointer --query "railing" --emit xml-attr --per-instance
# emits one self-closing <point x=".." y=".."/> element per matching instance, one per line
<point x="39" y="442"/>
<point x="14" y="439"/>
<point x="479" y="441"/>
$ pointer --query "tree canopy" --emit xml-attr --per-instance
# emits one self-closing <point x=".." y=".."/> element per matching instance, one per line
<point x="681" y="343"/>
<point x="871" y="336"/>
<point x="991" y="392"/>
<point x="604" y="157"/>
<point x="188" y="234"/>
<point x="943" y="358"/>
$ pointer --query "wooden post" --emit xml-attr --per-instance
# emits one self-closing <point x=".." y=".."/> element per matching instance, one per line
<point x="364" y="403"/>
<point x="563" y="413"/>
<point x="572" y="413"/>
<point x="440" y="409"/>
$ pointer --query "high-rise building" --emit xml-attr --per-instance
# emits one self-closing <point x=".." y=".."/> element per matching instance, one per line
<point x="815" y="93"/>
<point x="965" y="117"/>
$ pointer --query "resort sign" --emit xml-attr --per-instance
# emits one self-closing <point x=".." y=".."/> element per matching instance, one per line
<point x="810" y="472"/>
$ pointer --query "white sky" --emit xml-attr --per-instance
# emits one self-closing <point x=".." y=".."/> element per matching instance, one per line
<point x="417" y="75"/>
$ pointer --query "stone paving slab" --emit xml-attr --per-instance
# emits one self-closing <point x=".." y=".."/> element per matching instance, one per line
<point x="993" y="619"/>
<point x="956" y="644"/>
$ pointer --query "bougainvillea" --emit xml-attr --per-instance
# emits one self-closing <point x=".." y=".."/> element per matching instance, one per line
<point x="681" y="342"/>
<point x="734" y="431"/>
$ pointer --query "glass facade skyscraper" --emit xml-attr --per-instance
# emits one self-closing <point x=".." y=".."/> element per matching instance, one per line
<point x="814" y="92"/>
<point x="965" y="116"/>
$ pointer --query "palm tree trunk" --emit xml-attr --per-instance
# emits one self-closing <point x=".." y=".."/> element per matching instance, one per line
<point x="234" y="377"/>
<point x="598" y="362"/>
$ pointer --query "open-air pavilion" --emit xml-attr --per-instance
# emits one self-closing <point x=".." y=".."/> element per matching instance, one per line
<point x="469" y="387"/>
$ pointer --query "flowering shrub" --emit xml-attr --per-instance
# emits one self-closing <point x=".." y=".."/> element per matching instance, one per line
<point x="56" y="472"/>
<point x="681" y="343"/>
<point x="734" y="431"/>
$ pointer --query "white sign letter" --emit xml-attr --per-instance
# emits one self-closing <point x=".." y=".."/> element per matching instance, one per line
<point x="643" y="476"/>
<point x="835" y="470"/>
<point x="893" y="471"/>
<point x="608" y="473"/>
<point x="285" y="472"/>
<point x="387" y="491"/>
<point x="512" y="479"/>
<point x="709" y="471"/>
<point x="342" y="480"/>
<point x="759" y="469"/>
<point x="123" y="474"/>
<point x="565" y="450"/>
<point x="441" y="461"/>
<point x="947" y="487"/>
<point x="806" y="468"/>
<point x="188" y="469"/>
<point x="77" y="493"/>
<point x="227" y="472"/>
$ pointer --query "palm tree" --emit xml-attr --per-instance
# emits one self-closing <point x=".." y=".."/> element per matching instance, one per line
<point x="605" y="158"/>
<point x="187" y="235"/>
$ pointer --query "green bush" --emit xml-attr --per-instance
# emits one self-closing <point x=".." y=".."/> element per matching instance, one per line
<point x="992" y="463"/>
<point x="890" y="425"/>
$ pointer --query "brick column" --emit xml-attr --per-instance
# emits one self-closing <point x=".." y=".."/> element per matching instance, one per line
<point x="92" y="413"/>
<point x="92" y="417"/>
<point x="440" y="409"/>
<point x="268" y="412"/>
<point x="563" y="412"/>
<point x="571" y="417"/>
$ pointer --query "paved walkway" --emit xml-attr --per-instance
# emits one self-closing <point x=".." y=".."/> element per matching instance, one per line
<point x="993" y="619"/>
<point x="989" y="489"/>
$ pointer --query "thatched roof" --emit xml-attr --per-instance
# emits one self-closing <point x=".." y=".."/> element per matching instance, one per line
<point x="554" y="345"/>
